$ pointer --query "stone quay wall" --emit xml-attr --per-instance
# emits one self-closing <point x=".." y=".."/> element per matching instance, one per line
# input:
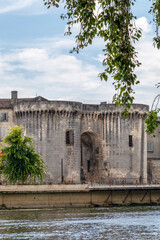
<point x="25" y="197"/>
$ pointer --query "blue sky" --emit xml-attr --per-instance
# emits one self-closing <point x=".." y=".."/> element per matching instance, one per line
<point x="35" y="58"/>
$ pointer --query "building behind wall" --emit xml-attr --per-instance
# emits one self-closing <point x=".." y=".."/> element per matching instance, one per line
<point x="153" y="153"/>
<point x="82" y="142"/>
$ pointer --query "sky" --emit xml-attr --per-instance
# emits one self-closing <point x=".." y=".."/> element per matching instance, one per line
<point x="35" y="58"/>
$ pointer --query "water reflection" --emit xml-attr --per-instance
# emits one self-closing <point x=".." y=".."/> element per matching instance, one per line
<point x="82" y="223"/>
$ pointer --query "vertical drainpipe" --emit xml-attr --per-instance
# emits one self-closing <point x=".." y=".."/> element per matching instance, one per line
<point x="62" y="177"/>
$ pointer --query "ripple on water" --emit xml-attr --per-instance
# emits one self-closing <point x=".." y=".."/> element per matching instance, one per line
<point x="83" y="223"/>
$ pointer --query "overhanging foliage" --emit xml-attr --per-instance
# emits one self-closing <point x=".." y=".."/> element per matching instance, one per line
<point x="113" y="21"/>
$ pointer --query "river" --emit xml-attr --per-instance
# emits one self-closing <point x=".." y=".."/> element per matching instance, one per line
<point x="112" y="223"/>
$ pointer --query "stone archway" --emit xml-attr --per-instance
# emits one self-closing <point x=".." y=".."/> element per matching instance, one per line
<point x="89" y="156"/>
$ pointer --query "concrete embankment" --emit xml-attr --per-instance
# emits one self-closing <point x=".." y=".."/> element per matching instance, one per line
<point x="49" y="196"/>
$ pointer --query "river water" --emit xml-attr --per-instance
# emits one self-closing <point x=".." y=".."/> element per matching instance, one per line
<point x="114" y="223"/>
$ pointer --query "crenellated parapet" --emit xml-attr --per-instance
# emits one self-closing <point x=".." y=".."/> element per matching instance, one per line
<point x="68" y="109"/>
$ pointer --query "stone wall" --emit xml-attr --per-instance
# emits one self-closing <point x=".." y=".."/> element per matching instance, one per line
<point x="36" y="197"/>
<point x="153" y="153"/>
<point x="7" y="119"/>
<point x="154" y="170"/>
<point x="82" y="142"/>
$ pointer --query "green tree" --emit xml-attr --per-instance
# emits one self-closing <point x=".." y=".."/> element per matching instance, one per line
<point x="21" y="162"/>
<point x="113" y="21"/>
<point x="152" y="118"/>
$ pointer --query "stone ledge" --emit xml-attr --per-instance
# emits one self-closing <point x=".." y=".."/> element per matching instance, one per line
<point x="42" y="188"/>
<point x="71" y="188"/>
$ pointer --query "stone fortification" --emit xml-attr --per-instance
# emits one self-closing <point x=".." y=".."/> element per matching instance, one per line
<point x="84" y="142"/>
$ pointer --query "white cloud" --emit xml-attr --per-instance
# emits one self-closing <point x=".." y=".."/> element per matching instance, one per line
<point x="148" y="73"/>
<point x="75" y="28"/>
<point x="143" y="24"/>
<point x="52" y="75"/>
<point x="10" y="5"/>
<point x="149" y="56"/>
<point x="47" y="69"/>
<point x="99" y="58"/>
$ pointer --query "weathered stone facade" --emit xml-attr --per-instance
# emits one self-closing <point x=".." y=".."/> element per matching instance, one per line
<point x="153" y="154"/>
<point x="82" y="142"/>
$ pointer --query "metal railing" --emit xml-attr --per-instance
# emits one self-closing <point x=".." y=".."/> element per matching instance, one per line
<point x="106" y="182"/>
<point x="125" y="182"/>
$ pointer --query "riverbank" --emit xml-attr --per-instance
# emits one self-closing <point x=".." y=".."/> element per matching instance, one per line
<point x="50" y="196"/>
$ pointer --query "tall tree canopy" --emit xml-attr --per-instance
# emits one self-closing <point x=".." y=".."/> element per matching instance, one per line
<point x="21" y="162"/>
<point x="113" y="21"/>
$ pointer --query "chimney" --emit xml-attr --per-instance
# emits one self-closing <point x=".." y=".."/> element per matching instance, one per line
<point x="14" y="95"/>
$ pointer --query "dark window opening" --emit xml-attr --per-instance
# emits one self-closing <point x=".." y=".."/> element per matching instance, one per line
<point x="3" y="117"/>
<point x="69" y="137"/>
<point x="130" y="141"/>
<point x="88" y="166"/>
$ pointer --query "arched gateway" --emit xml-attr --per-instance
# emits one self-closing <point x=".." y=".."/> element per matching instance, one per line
<point x="90" y="156"/>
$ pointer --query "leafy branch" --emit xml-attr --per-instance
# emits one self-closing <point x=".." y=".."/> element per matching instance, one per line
<point x="114" y="22"/>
